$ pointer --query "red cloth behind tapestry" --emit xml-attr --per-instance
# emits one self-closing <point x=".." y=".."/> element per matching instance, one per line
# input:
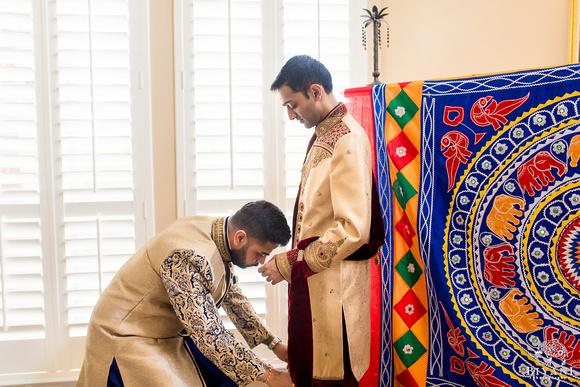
<point x="360" y="105"/>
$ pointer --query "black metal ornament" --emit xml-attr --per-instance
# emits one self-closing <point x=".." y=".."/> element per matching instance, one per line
<point x="375" y="18"/>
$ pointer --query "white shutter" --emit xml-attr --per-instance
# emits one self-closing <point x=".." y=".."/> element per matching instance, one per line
<point x="96" y="152"/>
<point x="73" y="128"/>
<point x="21" y="253"/>
<point x="225" y="74"/>
<point x="320" y="29"/>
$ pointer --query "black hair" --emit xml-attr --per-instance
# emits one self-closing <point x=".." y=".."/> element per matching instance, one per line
<point x="262" y="221"/>
<point x="300" y="72"/>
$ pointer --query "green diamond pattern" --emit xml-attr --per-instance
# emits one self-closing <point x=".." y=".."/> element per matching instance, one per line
<point x="409" y="269"/>
<point x="402" y="109"/>
<point x="409" y="349"/>
<point x="403" y="190"/>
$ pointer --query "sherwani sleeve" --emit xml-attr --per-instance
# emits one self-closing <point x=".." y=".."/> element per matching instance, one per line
<point x="244" y="317"/>
<point x="187" y="278"/>
<point x="347" y="210"/>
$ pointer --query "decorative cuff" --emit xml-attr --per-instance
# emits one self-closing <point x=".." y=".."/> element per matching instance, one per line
<point x="284" y="263"/>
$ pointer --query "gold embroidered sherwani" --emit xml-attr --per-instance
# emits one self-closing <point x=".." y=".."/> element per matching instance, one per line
<point x="171" y="287"/>
<point x="332" y="219"/>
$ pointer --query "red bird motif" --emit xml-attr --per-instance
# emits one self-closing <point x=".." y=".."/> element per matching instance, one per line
<point x="487" y="111"/>
<point x="454" y="146"/>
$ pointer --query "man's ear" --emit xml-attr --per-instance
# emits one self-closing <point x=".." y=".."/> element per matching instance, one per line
<point x="316" y="90"/>
<point x="240" y="239"/>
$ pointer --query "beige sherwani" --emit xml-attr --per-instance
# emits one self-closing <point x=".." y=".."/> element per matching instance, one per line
<point x="334" y="213"/>
<point x="171" y="287"/>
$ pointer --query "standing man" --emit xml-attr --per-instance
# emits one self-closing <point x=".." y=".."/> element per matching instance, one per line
<point x="157" y="323"/>
<point x="328" y="269"/>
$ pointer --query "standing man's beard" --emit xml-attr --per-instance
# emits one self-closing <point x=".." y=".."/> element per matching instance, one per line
<point x="239" y="257"/>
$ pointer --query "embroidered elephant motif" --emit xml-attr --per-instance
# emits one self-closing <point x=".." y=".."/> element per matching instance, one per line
<point x="503" y="215"/>
<point x="518" y="312"/>
<point x="538" y="170"/>
<point x="498" y="269"/>
<point x="565" y="347"/>
<point x="574" y="150"/>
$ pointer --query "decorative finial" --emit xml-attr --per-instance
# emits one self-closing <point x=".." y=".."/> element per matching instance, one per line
<point x="375" y="18"/>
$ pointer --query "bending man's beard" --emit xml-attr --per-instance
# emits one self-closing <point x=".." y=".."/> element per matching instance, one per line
<point x="239" y="256"/>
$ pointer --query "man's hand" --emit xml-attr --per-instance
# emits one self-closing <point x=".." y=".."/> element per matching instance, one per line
<point x="281" y="352"/>
<point x="270" y="271"/>
<point x="277" y="379"/>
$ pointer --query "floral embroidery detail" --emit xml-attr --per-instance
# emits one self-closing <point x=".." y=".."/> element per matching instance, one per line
<point x="400" y="111"/>
<point x="401" y="151"/>
<point x="537" y="253"/>
<point x="543" y="276"/>
<point x="319" y="255"/>
<point x="500" y="148"/>
<point x="518" y="133"/>
<point x="559" y="147"/>
<point x="188" y="279"/>
<point x="540" y="120"/>
<point x="410" y="309"/>
<point x="557" y="298"/>
<point x="408" y="349"/>
<point x="562" y="110"/>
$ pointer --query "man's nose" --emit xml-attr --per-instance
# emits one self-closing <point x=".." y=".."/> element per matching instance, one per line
<point x="291" y="114"/>
<point x="262" y="260"/>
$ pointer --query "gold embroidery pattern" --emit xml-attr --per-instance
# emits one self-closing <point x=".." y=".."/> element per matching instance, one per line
<point x="219" y="235"/>
<point x="319" y="255"/>
<point x="329" y="140"/>
<point x="331" y="119"/>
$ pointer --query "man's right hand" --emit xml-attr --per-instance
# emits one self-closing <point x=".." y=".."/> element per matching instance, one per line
<point x="280" y="379"/>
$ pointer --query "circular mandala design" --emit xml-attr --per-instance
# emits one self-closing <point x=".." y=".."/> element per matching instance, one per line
<point x="568" y="253"/>
<point x="519" y="244"/>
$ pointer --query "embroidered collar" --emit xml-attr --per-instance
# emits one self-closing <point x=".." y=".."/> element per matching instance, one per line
<point x="219" y="234"/>
<point x="331" y="119"/>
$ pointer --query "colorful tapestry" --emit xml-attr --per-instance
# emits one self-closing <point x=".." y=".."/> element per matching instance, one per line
<point x="481" y="183"/>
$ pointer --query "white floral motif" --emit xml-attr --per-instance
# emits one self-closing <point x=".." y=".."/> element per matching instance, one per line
<point x="401" y="151"/>
<point x="543" y="276"/>
<point x="400" y="111"/>
<point x="540" y="120"/>
<point x="410" y="309"/>
<point x="500" y="148"/>
<point x="537" y="253"/>
<point x="541" y="231"/>
<point x="557" y="298"/>
<point x="466" y="300"/>
<point x="559" y="147"/>
<point x="411" y="268"/>
<point x="505" y="353"/>
<point x="408" y="349"/>
<point x="563" y="110"/>
<point x="518" y="133"/>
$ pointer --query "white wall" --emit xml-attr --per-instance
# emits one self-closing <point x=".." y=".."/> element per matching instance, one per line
<point x="433" y="39"/>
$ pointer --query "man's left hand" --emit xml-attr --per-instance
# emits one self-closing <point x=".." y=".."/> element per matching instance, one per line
<point x="270" y="271"/>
